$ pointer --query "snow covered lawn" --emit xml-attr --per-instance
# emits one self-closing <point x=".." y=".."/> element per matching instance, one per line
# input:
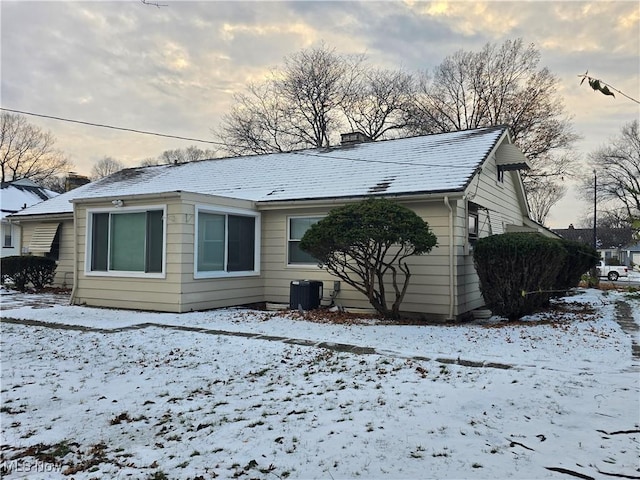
<point x="246" y="394"/>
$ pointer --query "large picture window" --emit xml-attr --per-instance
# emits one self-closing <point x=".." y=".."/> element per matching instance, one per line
<point x="127" y="241"/>
<point x="226" y="243"/>
<point x="298" y="226"/>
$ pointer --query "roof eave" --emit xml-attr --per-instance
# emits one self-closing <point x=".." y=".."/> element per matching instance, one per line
<point x="504" y="135"/>
<point x="40" y="216"/>
<point x="135" y="196"/>
<point x="334" y="201"/>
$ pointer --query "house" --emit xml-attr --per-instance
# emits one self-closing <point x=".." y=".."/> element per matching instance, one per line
<point x="613" y="244"/>
<point x="16" y="196"/>
<point x="225" y="232"/>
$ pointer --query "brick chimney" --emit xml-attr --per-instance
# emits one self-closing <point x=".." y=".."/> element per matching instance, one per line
<point x="353" y="137"/>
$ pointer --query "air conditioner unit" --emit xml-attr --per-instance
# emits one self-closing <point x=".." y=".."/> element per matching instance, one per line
<point x="305" y="294"/>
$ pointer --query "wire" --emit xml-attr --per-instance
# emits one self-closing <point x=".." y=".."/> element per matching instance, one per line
<point x="295" y="152"/>
<point x="112" y="127"/>
<point x="590" y="78"/>
<point x="335" y="157"/>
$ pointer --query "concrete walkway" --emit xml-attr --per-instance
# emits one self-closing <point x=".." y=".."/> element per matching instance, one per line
<point x="624" y="318"/>
<point x="337" y="347"/>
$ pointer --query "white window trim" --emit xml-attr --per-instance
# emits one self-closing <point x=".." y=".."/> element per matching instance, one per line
<point x="289" y="239"/>
<point x="124" y="273"/>
<point x="219" y="210"/>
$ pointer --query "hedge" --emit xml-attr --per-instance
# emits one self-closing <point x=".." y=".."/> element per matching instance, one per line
<point x="518" y="271"/>
<point x="25" y="270"/>
<point x="579" y="260"/>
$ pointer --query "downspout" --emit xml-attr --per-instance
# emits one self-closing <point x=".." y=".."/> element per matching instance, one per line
<point x="75" y="256"/>
<point x="451" y="260"/>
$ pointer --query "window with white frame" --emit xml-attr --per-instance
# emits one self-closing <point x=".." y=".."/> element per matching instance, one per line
<point x="298" y="226"/>
<point x="7" y="235"/>
<point x="126" y="241"/>
<point x="227" y="243"/>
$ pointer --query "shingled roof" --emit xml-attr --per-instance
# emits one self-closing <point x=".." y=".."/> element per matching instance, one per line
<point x="20" y="194"/>
<point x="424" y="164"/>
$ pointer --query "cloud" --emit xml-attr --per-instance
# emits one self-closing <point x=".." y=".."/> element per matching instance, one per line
<point x="487" y="19"/>
<point x="175" y="69"/>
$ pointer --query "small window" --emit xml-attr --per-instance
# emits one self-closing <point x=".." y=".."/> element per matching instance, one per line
<point x="500" y="174"/>
<point x="226" y="243"/>
<point x="7" y="237"/>
<point x="127" y="241"/>
<point x="472" y="224"/>
<point x="298" y="226"/>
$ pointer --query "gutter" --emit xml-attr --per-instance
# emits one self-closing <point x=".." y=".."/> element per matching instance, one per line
<point x="339" y="201"/>
<point x="40" y="216"/>
<point x="451" y="261"/>
<point x="129" y="196"/>
<point x="75" y="258"/>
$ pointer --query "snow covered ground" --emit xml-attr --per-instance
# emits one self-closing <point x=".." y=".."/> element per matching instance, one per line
<point x="249" y="394"/>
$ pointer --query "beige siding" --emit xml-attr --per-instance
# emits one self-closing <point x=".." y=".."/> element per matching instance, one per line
<point x="428" y="292"/>
<point x="122" y="291"/>
<point x="179" y="291"/>
<point x="64" y="270"/>
<point x="501" y="206"/>
<point x="435" y="283"/>
<point x="207" y="293"/>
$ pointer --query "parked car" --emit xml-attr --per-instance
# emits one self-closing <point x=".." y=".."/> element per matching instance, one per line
<point x="612" y="272"/>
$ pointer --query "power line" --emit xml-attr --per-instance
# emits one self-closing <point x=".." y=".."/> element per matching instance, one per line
<point x="295" y="152"/>
<point x="101" y="125"/>
<point x="388" y="162"/>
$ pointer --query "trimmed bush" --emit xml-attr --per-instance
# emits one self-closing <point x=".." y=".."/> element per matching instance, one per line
<point x="366" y="245"/>
<point x="518" y="271"/>
<point x="579" y="260"/>
<point x="24" y="270"/>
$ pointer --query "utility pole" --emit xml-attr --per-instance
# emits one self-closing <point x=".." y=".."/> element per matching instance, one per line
<point x="595" y="208"/>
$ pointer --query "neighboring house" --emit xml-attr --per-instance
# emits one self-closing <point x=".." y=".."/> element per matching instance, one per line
<point x="633" y="254"/>
<point x="225" y="232"/>
<point x="16" y="196"/>
<point x="613" y="244"/>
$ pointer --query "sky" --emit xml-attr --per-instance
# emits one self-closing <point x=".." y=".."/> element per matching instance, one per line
<point x="174" y="69"/>
<point x="234" y="393"/>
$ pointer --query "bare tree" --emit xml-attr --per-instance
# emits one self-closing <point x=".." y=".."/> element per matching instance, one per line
<point x="185" y="155"/>
<point x="258" y="123"/>
<point x="149" y="162"/>
<point x="617" y="168"/>
<point x="379" y="102"/>
<point x="502" y="84"/>
<point x="544" y="196"/>
<point x="105" y="167"/>
<point x="314" y="84"/>
<point x="26" y="151"/>
<point x="299" y="105"/>
<point x="56" y="184"/>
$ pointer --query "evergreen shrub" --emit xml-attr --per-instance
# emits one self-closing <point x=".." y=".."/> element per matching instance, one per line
<point x="579" y="260"/>
<point x="518" y="271"/>
<point x="25" y="270"/>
